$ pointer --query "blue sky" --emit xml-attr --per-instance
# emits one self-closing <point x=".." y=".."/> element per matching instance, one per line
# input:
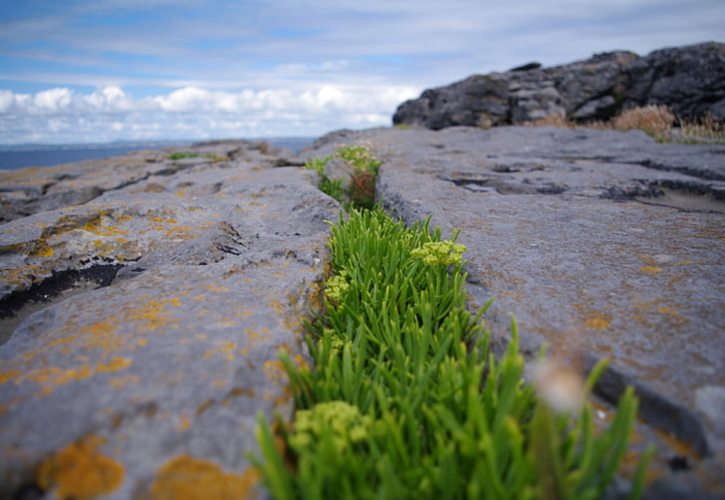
<point x="103" y="70"/>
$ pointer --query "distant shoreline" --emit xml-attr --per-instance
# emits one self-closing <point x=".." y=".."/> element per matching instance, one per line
<point x="13" y="157"/>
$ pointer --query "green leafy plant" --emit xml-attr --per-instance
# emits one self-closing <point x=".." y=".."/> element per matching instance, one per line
<point x="363" y="169"/>
<point x="406" y="399"/>
<point x="180" y="155"/>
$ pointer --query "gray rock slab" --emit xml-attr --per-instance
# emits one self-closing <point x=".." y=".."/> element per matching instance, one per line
<point x="602" y="244"/>
<point x="144" y="326"/>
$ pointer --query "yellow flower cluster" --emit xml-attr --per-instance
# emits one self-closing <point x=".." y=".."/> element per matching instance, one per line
<point x="440" y="253"/>
<point x="342" y="421"/>
<point x="336" y="287"/>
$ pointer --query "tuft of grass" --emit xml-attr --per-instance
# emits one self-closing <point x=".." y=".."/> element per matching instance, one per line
<point x="555" y="120"/>
<point x="656" y="121"/>
<point x="406" y="399"/>
<point x="706" y="129"/>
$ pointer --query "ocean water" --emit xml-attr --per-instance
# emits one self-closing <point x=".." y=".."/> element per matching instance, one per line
<point x="14" y="157"/>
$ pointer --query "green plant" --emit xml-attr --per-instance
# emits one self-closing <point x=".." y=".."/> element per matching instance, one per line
<point x="407" y="401"/>
<point x="363" y="169"/>
<point x="179" y="155"/>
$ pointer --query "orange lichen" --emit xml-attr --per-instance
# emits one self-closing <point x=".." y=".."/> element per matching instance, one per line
<point x="216" y="288"/>
<point x="80" y="471"/>
<point x="152" y="315"/>
<point x="598" y="322"/>
<point x="274" y="371"/>
<point x="96" y="226"/>
<point x="114" y="365"/>
<point x="42" y="249"/>
<point x="184" y="423"/>
<point x="51" y="377"/>
<point x="8" y="376"/>
<point x="197" y="479"/>
<point x="650" y="269"/>
<point x="121" y="382"/>
<point x="225" y="348"/>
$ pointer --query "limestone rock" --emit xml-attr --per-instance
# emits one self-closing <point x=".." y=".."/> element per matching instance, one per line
<point x="688" y="79"/>
<point x="141" y="329"/>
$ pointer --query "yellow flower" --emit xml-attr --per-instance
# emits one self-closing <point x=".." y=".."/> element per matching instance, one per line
<point x="336" y="287"/>
<point x="440" y="253"/>
<point x="342" y="421"/>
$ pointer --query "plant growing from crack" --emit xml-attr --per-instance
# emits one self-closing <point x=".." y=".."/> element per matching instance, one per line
<point x="406" y="399"/>
<point x="362" y="167"/>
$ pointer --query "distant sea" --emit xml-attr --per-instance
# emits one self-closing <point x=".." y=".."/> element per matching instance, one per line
<point x="46" y="155"/>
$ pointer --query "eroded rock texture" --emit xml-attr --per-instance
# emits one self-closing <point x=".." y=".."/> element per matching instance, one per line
<point x="141" y="321"/>
<point x="603" y="244"/>
<point x="690" y="80"/>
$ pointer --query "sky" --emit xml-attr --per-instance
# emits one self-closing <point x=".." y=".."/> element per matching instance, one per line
<point x="77" y="71"/>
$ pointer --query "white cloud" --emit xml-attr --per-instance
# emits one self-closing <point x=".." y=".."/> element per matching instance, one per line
<point x="59" y="115"/>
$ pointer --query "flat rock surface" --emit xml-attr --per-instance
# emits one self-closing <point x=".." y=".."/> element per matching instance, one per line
<point x="601" y="243"/>
<point x="140" y="330"/>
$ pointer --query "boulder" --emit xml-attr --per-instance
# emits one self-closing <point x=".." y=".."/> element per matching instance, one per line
<point x="140" y="330"/>
<point x="688" y="79"/>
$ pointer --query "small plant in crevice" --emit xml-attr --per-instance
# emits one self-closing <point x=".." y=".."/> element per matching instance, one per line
<point x="362" y="168"/>
<point x="406" y="400"/>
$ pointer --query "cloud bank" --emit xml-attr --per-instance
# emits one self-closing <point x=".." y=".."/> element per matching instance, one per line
<point x="60" y="115"/>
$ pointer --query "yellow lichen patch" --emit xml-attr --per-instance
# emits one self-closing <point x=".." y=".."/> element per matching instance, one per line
<point x="160" y="221"/>
<point x="8" y="376"/>
<point x="101" y="335"/>
<point x="96" y="226"/>
<point x="593" y="319"/>
<point x="225" y="348"/>
<point x="122" y="218"/>
<point x="189" y="478"/>
<point x="121" y="382"/>
<point x="216" y="288"/>
<point x="80" y="471"/>
<point x="114" y="365"/>
<point x="152" y="315"/>
<point x="51" y="377"/>
<point x="141" y="342"/>
<point x="598" y="322"/>
<point x="274" y="371"/>
<point x="183" y="424"/>
<point x="674" y="317"/>
<point x="650" y="269"/>
<point x="42" y="249"/>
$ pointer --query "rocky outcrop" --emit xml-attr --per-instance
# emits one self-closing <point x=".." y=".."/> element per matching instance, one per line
<point x="603" y="244"/>
<point x="690" y="80"/>
<point x="140" y="331"/>
<point x="140" y="322"/>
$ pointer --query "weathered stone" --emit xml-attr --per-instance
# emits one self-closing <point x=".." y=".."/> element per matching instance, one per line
<point x="603" y="244"/>
<point x="141" y="330"/>
<point x="688" y="79"/>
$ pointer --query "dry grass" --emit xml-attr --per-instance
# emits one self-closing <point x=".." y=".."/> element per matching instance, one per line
<point x="557" y="120"/>
<point x="707" y="129"/>
<point x="657" y="121"/>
